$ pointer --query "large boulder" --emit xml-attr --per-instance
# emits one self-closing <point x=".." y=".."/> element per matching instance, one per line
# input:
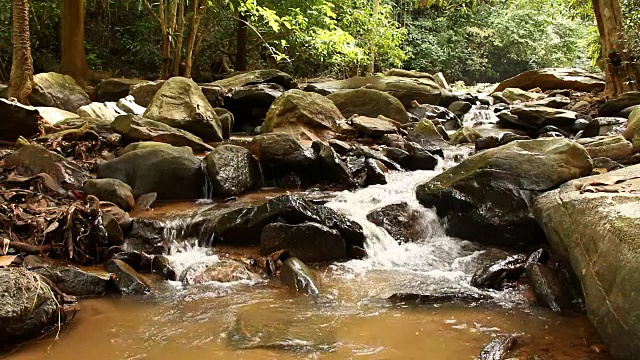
<point x="18" y="120"/>
<point x="135" y="128"/>
<point x="555" y="79"/>
<point x="536" y="117"/>
<point x="280" y="154"/>
<point x="143" y="93"/>
<point x="116" y="88"/>
<point x="57" y="90"/>
<point x="181" y="104"/>
<point x="31" y="160"/>
<point x="257" y="77"/>
<point x="296" y="110"/>
<point x="250" y="104"/>
<point x="173" y="173"/>
<point x="310" y="242"/>
<point x="487" y="197"/>
<point x="232" y="170"/>
<point x="27" y="308"/>
<point x="111" y="190"/>
<point x="616" y="148"/>
<point x="593" y="223"/>
<point x="614" y="106"/>
<point x="370" y="103"/>
<point x="422" y="90"/>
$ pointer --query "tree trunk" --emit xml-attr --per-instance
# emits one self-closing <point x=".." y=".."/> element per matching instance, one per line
<point x="241" y="43"/>
<point x="179" y="34"/>
<point x="372" y="65"/>
<point x="196" y="11"/>
<point x="74" y="59"/>
<point x="620" y="76"/>
<point x="21" y="81"/>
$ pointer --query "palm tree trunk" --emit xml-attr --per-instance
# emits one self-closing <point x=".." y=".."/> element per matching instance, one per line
<point x="21" y="81"/>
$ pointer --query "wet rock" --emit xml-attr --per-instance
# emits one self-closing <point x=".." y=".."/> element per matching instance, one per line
<point x="552" y="131"/>
<point x="402" y="222"/>
<point x="181" y="104"/>
<point x="162" y="266"/>
<point x="369" y="103"/>
<point x="310" y="242"/>
<point x="18" y="120"/>
<point x="612" y="107"/>
<point x="486" y="142"/>
<point x="115" y="235"/>
<point x="460" y="108"/>
<point x="115" y="89"/>
<point x="69" y="279"/>
<point x="539" y="256"/>
<point x="373" y="126"/>
<point x="232" y="170"/>
<point x="251" y="103"/>
<point x="437" y="298"/>
<point x="593" y="224"/>
<point x="31" y="160"/>
<point x="128" y="281"/>
<point x="296" y="110"/>
<point x="111" y="190"/>
<point x="419" y="158"/>
<point x="465" y="135"/>
<point x="514" y="95"/>
<point x="139" y="261"/>
<point x="433" y="112"/>
<point x="494" y="275"/>
<point x="536" y="117"/>
<point x="555" y="78"/>
<point x="550" y="288"/>
<point x="173" y="173"/>
<point x="369" y="153"/>
<point x="57" y="90"/>
<point x="257" y="77"/>
<point x="428" y="130"/>
<point x="375" y="172"/>
<point x="223" y="271"/>
<point x="509" y="137"/>
<point x="486" y="197"/>
<point x="331" y="165"/>
<point x="499" y="348"/>
<point x="616" y="148"/>
<point x="102" y="111"/>
<point x="28" y="307"/>
<point x="299" y="277"/>
<point x="280" y="154"/>
<point x="143" y="93"/>
<point x="624" y="113"/>
<point x="145" y="201"/>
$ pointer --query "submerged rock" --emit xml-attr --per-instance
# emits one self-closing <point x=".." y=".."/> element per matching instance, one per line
<point x="309" y="242"/>
<point x="593" y="223"/>
<point x="499" y="348"/>
<point x="27" y="308"/>
<point x="437" y="298"/>
<point x="493" y="276"/>
<point x="223" y="271"/>
<point x="128" y="281"/>
<point x="486" y="198"/>
<point x="403" y="223"/>
<point x="370" y="103"/>
<point x="232" y="170"/>
<point x="299" y="277"/>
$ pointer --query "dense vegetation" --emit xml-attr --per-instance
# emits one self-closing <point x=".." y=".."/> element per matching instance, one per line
<point x="467" y="40"/>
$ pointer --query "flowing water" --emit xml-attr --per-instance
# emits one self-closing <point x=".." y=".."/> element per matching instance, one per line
<point x="261" y="319"/>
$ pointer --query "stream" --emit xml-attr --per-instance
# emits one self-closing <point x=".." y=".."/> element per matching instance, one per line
<point x="262" y="319"/>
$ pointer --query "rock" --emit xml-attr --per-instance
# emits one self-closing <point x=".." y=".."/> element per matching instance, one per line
<point x="615" y="148"/>
<point x="612" y="107"/>
<point x="624" y="113"/>
<point x="340" y="147"/>
<point x="174" y="173"/>
<point x="555" y="102"/>
<point x="555" y="78"/>
<point x="605" y="163"/>
<point x="143" y="93"/>
<point x="437" y="298"/>
<point x="28" y="307"/>
<point x="373" y="127"/>
<point x="514" y="95"/>
<point x="498" y="348"/>
<point x="162" y="266"/>
<point x="419" y="159"/>
<point x="145" y="145"/>
<point x="593" y="224"/>
<point x="115" y="235"/>
<point x="331" y="166"/>
<point x="299" y="277"/>
<point x="54" y="116"/>
<point x="309" y="242"/>
<point x="214" y="94"/>
<point x="611" y="125"/>
<point x="465" y="135"/>
<point x="550" y="288"/>
<point x="99" y="111"/>
<point x="632" y="133"/>
<point x="297" y="109"/>
<point x="128" y="281"/>
<point x="370" y="103"/>
<point x="222" y="271"/>
<point x="101" y="127"/>
<point x="134" y="128"/>
<point x="31" y="160"/>
<point x="181" y="104"/>
<point x="486" y="197"/>
<point x="403" y="223"/>
<point x="422" y="90"/>
<point x="57" y="90"/>
<point x="232" y="170"/>
<point x="115" y="89"/>
<point x="536" y="117"/>
<point x="227" y="121"/>
<point x="250" y="104"/>
<point x="409" y="74"/>
<point x="510" y="137"/>
<point x="111" y="190"/>
<point x="493" y="276"/>
<point x="69" y="279"/>
<point x="460" y="108"/>
<point x="428" y="130"/>
<point x="272" y="76"/>
<point x="433" y="112"/>
<point x="375" y="172"/>
<point x="584" y="128"/>
<point x="129" y="106"/>
<point x="280" y="154"/>
<point x="486" y="142"/>
<point x="18" y="120"/>
<point x="580" y="105"/>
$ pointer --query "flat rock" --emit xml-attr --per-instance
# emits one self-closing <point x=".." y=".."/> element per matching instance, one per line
<point x="555" y="79"/>
<point x="134" y="128"/>
<point x="373" y="126"/>
<point x="616" y="148"/>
